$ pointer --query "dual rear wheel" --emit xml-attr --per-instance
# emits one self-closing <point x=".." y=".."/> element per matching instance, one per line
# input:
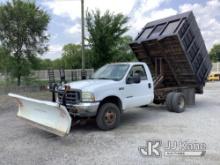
<point x="175" y="102"/>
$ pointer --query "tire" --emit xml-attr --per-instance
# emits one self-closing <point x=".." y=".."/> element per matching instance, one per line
<point x="108" y="116"/>
<point x="169" y="99"/>
<point x="178" y="102"/>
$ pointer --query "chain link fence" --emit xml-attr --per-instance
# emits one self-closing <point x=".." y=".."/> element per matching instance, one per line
<point x="42" y="75"/>
<point x="22" y="89"/>
<point x="70" y="74"/>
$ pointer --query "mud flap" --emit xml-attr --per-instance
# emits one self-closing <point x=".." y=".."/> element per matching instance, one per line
<point x="45" y="115"/>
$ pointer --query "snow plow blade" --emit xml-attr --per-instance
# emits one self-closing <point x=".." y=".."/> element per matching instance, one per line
<point x="45" y="115"/>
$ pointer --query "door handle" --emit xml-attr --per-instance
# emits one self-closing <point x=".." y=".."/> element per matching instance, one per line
<point x="149" y="85"/>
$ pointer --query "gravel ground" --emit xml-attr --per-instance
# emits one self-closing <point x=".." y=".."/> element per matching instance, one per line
<point x="23" y="144"/>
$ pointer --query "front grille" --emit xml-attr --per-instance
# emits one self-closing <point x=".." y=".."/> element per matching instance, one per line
<point x="71" y="97"/>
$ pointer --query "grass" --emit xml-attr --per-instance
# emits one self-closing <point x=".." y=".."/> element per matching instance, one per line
<point x="25" y="82"/>
<point x="42" y="95"/>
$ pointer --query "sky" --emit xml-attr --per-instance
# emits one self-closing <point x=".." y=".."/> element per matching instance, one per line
<point x="65" y="26"/>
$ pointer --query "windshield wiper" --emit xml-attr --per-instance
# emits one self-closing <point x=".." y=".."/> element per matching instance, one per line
<point x="103" y="78"/>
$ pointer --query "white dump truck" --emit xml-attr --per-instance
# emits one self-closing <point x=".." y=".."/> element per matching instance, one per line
<point x="173" y="66"/>
<point x="112" y="89"/>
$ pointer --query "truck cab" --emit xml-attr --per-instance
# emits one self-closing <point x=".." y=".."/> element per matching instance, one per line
<point x="112" y="89"/>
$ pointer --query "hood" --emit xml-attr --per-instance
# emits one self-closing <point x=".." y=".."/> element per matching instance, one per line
<point x="90" y="85"/>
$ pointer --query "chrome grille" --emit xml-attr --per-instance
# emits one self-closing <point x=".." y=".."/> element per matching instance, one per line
<point x="71" y="97"/>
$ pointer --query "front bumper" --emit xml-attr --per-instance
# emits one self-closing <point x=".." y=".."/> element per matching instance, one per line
<point x="85" y="109"/>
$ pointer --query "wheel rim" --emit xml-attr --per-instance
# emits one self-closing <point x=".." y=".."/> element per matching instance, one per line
<point x="110" y="117"/>
<point x="181" y="103"/>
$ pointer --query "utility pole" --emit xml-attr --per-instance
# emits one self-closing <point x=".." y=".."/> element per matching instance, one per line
<point x="218" y="64"/>
<point x="83" y="33"/>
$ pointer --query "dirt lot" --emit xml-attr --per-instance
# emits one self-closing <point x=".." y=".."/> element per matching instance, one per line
<point x="23" y="144"/>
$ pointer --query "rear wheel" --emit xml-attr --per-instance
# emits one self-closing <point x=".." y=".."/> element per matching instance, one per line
<point x="175" y="102"/>
<point x="108" y="116"/>
<point x="178" y="102"/>
<point x="169" y="101"/>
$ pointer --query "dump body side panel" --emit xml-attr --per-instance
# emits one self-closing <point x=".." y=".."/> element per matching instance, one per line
<point x="174" y="49"/>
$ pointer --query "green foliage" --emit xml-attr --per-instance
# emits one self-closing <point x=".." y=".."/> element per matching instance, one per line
<point x="122" y="52"/>
<point x="215" y="53"/>
<point x="46" y="64"/>
<point x="5" y="60"/>
<point x="57" y="64"/>
<point x="36" y="63"/>
<point x="71" y="56"/>
<point x="22" y="32"/>
<point x="105" y="33"/>
<point x="33" y="81"/>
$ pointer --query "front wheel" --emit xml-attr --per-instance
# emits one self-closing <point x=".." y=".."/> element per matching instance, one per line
<point x="108" y="116"/>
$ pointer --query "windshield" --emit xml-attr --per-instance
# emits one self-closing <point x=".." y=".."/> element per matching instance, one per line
<point x="111" y="72"/>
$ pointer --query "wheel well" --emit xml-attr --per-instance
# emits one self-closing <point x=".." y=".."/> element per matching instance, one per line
<point x="112" y="99"/>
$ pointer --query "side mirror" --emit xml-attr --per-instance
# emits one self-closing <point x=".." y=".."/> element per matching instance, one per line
<point x="136" y="78"/>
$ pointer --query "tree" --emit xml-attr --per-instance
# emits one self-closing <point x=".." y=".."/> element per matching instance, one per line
<point x="71" y="56"/>
<point x="104" y="33"/>
<point x="36" y="63"/>
<point x="5" y="59"/>
<point x="122" y="52"/>
<point x="57" y="64"/>
<point x="23" y="28"/>
<point x="215" y="53"/>
<point x="46" y="64"/>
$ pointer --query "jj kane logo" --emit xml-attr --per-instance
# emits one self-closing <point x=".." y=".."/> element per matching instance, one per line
<point x="154" y="148"/>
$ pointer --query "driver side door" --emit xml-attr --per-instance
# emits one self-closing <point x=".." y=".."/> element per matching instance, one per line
<point x="137" y="94"/>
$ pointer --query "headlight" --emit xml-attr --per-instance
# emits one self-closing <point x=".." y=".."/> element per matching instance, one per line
<point x="88" y="97"/>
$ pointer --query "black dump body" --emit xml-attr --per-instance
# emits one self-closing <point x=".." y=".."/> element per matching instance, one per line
<point x="175" y="52"/>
